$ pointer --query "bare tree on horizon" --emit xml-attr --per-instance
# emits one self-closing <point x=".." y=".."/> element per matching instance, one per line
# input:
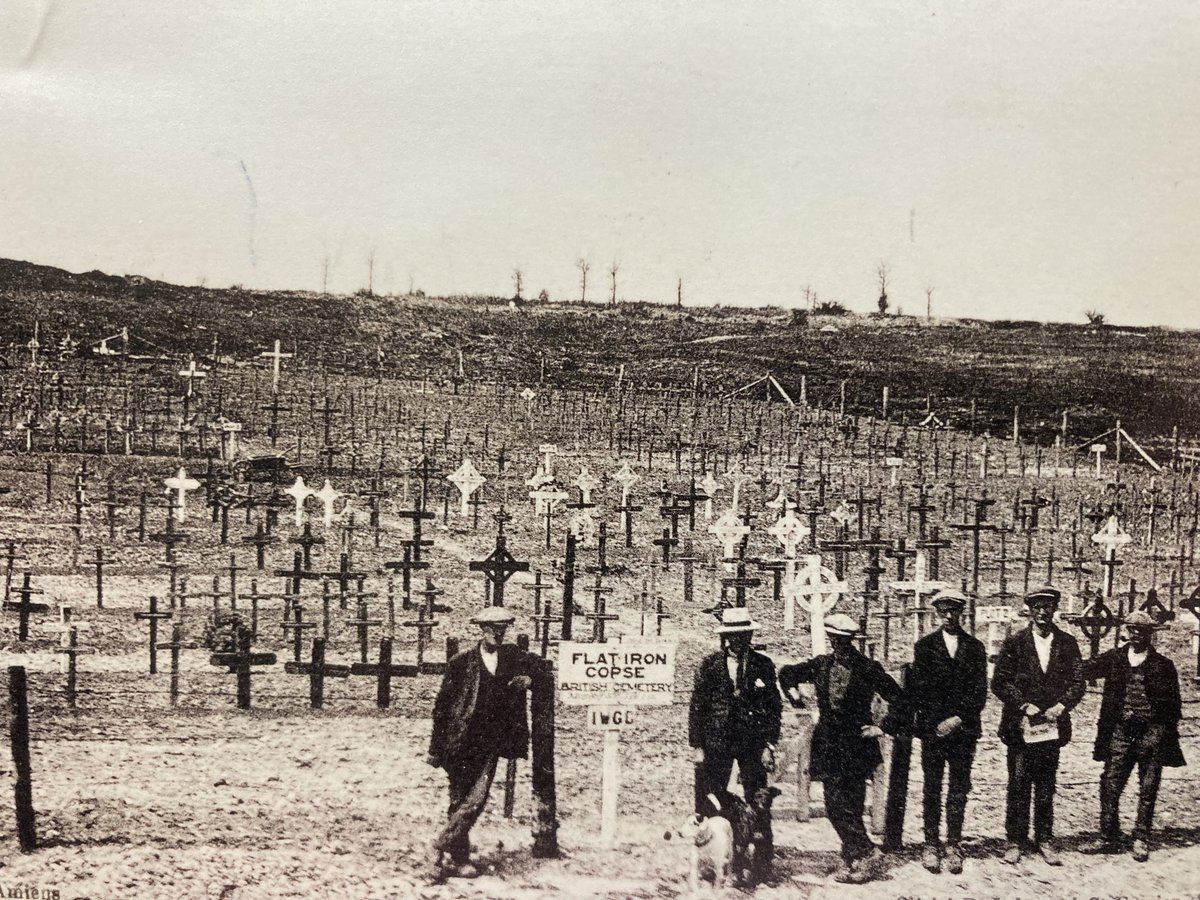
<point x="583" y="266"/>
<point x="612" y="270"/>
<point x="881" y="271"/>
<point x="518" y="277"/>
<point x="929" y="303"/>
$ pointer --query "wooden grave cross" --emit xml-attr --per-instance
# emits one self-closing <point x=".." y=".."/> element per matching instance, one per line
<point x="1110" y="538"/>
<point x="1095" y="621"/>
<point x="468" y="480"/>
<point x="297" y="626"/>
<point x="299" y="492"/>
<point x="240" y="663"/>
<point x="362" y="624"/>
<point x="317" y="670"/>
<point x="498" y="567"/>
<point x="276" y="357"/>
<point x="260" y="540"/>
<point x="599" y="614"/>
<point x="817" y="590"/>
<point x="153" y="615"/>
<point x="328" y="495"/>
<point x="181" y="484"/>
<point x="919" y="585"/>
<point x="25" y="606"/>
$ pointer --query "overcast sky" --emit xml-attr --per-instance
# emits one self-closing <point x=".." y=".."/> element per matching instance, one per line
<point x="1027" y="160"/>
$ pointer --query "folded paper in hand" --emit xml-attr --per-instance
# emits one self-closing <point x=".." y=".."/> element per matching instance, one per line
<point x="1039" y="730"/>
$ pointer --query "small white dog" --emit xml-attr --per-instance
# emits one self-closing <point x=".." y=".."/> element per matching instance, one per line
<point x="711" y="851"/>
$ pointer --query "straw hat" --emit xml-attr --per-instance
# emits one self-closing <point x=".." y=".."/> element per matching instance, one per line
<point x="840" y="623"/>
<point x="735" y="619"/>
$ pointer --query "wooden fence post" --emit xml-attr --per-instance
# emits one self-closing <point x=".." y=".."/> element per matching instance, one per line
<point x="545" y="797"/>
<point x="18" y="703"/>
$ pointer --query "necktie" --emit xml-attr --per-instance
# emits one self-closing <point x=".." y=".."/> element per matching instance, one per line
<point x="740" y="681"/>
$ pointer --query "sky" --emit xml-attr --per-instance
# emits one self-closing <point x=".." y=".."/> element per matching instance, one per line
<point x="1023" y="160"/>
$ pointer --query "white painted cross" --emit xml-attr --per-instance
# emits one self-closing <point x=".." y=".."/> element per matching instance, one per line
<point x="789" y="531"/>
<point x="583" y="526"/>
<point x="229" y="433"/>
<point x="191" y="373"/>
<point x="276" y="358"/>
<point x="181" y="484"/>
<point x="729" y="530"/>
<point x="918" y="586"/>
<point x="539" y="479"/>
<point x="737" y="478"/>
<point x="1099" y="450"/>
<point x="1110" y="538"/>
<point x="983" y="458"/>
<point x="894" y="463"/>
<point x="549" y="451"/>
<point x="328" y="495"/>
<point x="546" y="498"/>
<point x="842" y="515"/>
<point x="468" y="480"/>
<point x="299" y="492"/>
<point x="711" y="486"/>
<point x="817" y="590"/>
<point x="586" y="482"/>
<point x="527" y="395"/>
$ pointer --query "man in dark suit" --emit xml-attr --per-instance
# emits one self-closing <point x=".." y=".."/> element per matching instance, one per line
<point x="734" y="716"/>
<point x="478" y="717"/>
<point x="1139" y="723"/>
<point x="947" y="691"/>
<point x="1038" y="679"/>
<point x="845" y="745"/>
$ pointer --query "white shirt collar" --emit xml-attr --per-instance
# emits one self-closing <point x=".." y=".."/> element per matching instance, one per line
<point x="951" y="642"/>
<point x="491" y="658"/>
<point x="1135" y="658"/>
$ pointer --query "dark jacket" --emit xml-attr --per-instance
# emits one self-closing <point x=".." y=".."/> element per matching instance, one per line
<point x="724" y="724"/>
<point x="1018" y="679"/>
<point x="1162" y="690"/>
<point x="460" y="729"/>
<point x="941" y="686"/>
<point x="838" y="747"/>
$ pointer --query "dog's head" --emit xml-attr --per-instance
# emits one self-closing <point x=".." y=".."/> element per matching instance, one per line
<point x="765" y="796"/>
<point x="694" y="828"/>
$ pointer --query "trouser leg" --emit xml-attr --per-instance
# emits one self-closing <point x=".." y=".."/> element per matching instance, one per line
<point x="1020" y="785"/>
<point x="844" y="799"/>
<point x="1112" y="782"/>
<point x="752" y="772"/>
<point x="960" y="761"/>
<point x="470" y="782"/>
<point x="712" y="777"/>
<point x="1045" y="771"/>
<point x="1149" y="777"/>
<point x="933" y="764"/>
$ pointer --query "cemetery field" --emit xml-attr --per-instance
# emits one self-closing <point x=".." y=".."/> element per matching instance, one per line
<point x="1145" y="377"/>
<point x="207" y="566"/>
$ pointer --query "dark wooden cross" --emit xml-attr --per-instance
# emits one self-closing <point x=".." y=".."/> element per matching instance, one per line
<point x="317" y="670"/>
<point x="498" y="567"/>
<point x="307" y="540"/>
<point x="153" y="616"/>
<point x="25" y="606"/>
<point x="688" y="558"/>
<point x="976" y="527"/>
<point x="297" y="626"/>
<point x="933" y="545"/>
<point x="260" y="540"/>
<point x="1095" y="622"/>
<point x="740" y="582"/>
<point x="922" y="508"/>
<point x="240" y="662"/>
<point x="417" y="515"/>
<point x="666" y="542"/>
<point x="363" y="623"/>
<point x="599" y="614"/>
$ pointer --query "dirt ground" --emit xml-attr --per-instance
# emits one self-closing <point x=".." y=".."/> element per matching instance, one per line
<point x="281" y="801"/>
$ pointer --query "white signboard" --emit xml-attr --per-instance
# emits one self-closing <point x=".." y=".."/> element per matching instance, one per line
<point x="625" y="674"/>
<point x="998" y="614"/>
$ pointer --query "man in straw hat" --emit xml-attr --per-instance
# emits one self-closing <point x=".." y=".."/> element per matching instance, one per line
<point x="1139" y="723"/>
<point x="1038" y="679"/>
<point x="734" y="716"/>
<point x="948" y="689"/>
<point x="845" y="746"/>
<point x="479" y="716"/>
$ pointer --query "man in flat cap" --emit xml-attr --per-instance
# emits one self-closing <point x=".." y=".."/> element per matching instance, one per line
<point x="1038" y="678"/>
<point x="948" y="689"/>
<point x="845" y="745"/>
<point x="478" y="717"/>
<point x="1139" y="723"/>
<point x="734" y="717"/>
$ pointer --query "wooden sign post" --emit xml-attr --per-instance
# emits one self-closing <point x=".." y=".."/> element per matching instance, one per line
<point x="612" y="680"/>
